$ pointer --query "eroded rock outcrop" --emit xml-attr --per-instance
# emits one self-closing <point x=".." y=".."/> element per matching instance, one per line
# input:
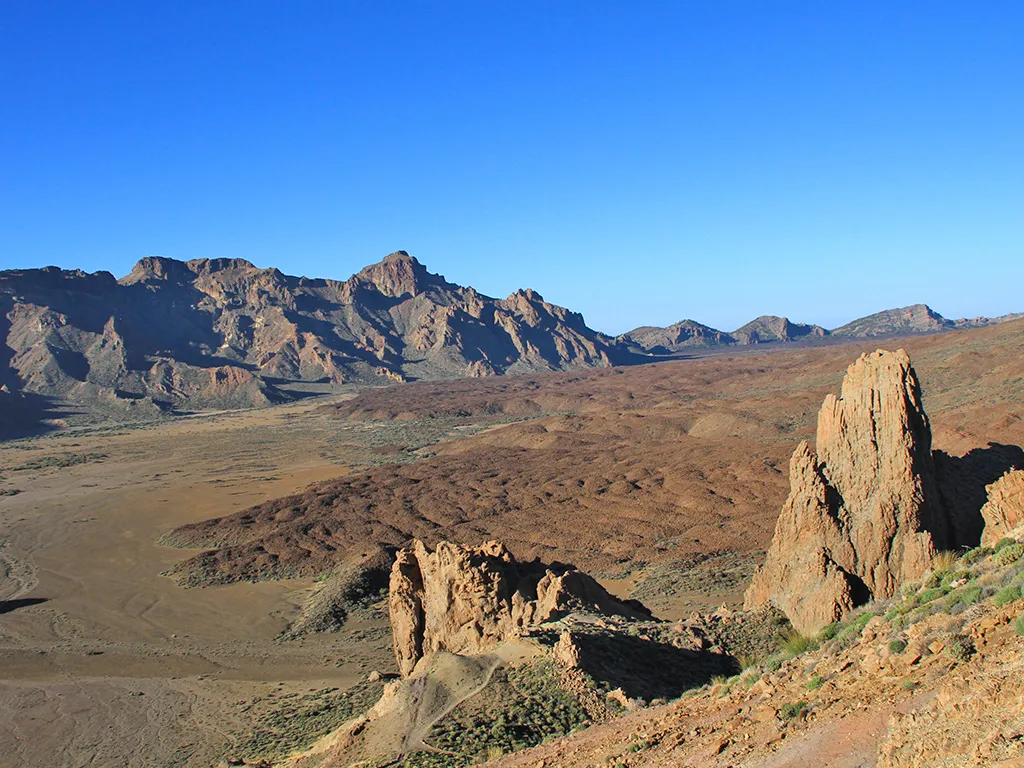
<point x="1004" y="511"/>
<point x="466" y="600"/>
<point x="863" y="514"/>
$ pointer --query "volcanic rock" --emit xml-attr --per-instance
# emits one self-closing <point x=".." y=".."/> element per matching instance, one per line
<point x="467" y="600"/>
<point x="1004" y="511"/>
<point x="862" y="514"/>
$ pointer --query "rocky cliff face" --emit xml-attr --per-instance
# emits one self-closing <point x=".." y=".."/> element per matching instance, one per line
<point x="862" y="515"/>
<point x="466" y="600"/>
<point x="222" y="332"/>
<point x="1003" y="513"/>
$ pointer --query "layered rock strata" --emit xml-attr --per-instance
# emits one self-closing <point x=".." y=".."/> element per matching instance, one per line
<point x="863" y="514"/>
<point x="466" y="600"/>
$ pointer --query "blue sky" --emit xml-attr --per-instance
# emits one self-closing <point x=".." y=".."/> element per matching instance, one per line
<point x="638" y="162"/>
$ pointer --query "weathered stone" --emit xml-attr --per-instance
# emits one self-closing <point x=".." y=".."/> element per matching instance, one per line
<point x="862" y="515"/>
<point x="1004" y="511"/>
<point x="466" y="600"/>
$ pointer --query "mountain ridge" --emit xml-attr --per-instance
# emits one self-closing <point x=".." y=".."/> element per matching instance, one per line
<point x="223" y="333"/>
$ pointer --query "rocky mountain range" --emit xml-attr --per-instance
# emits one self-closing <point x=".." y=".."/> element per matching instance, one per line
<point x="687" y="334"/>
<point x="223" y="333"/>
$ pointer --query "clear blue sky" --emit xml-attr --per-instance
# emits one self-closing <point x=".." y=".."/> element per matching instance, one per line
<point x="638" y="162"/>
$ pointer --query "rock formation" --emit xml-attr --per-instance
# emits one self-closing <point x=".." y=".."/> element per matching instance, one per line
<point x="466" y="600"/>
<point x="862" y="514"/>
<point x="1004" y="511"/>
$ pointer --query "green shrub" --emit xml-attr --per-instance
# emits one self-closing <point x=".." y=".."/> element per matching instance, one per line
<point x="930" y="594"/>
<point x="960" y="648"/>
<point x="772" y="665"/>
<point x="794" y="644"/>
<point x="977" y="554"/>
<point x="965" y="596"/>
<point x="909" y="685"/>
<point x="897" y="646"/>
<point x="1006" y="595"/>
<point x="1018" y="626"/>
<point x="827" y="632"/>
<point x="794" y="709"/>
<point x="815" y="683"/>
<point x="1009" y="554"/>
<point x="1003" y="543"/>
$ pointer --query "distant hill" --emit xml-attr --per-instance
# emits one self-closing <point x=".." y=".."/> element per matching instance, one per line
<point x="769" y="328"/>
<point x="224" y="333"/>
<point x="917" y="318"/>
<point x="681" y="335"/>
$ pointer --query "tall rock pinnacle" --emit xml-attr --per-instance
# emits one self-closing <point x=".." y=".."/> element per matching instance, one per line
<point x="862" y="514"/>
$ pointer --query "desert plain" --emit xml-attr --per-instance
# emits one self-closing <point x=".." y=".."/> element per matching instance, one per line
<point x="664" y="481"/>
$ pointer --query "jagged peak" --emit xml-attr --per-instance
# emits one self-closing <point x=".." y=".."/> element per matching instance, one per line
<point x="399" y="274"/>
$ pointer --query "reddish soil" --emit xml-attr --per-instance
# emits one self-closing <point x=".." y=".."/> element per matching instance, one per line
<point x="618" y="469"/>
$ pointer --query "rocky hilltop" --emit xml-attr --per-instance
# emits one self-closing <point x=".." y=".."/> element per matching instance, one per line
<point x="224" y="333"/>
<point x="769" y="328"/>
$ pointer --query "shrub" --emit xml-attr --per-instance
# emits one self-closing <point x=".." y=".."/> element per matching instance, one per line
<point x="909" y="685"/>
<point x="1018" y="626"/>
<point x="828" y="631"/>
<point x="960" y="648"/>
<point x="968" y="595"/>
<point x="897" y="646"/>
<point x="930" y="594"/>
<point x="944" y="561"/>
<point x="794" y="644"/>
<point x="977" y="554"/>
<point x="1003" y="543"/>
<point x="1009" y="554"/>
<point x="793" y="709"/>
<point x="1006" y="595"/>
<point x="815" y="683"/>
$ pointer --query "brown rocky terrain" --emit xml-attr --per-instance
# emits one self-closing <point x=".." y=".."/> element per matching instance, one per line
<point x="929" y="678"/>
<point x="663" y="481"/>
<point x="665" y="463"/>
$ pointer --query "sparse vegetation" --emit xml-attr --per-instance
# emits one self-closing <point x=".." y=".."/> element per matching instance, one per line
<point x="59" y="461"/>
<point x="794" y="644"/>
<point x="523" y="707"/>
<point x="897" y="646"/>
<point x="1010" y="554"/>
<point x="1006" y="595"/>
<point x="792" y="710"/>
<point x="960" y="648"/>
<point x="815" y="683"/>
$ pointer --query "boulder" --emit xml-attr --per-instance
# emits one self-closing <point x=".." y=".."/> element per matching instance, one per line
<point x="1004" y="511"/>
<point x="467" y="600"/>
<point x="863" y="514"/>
